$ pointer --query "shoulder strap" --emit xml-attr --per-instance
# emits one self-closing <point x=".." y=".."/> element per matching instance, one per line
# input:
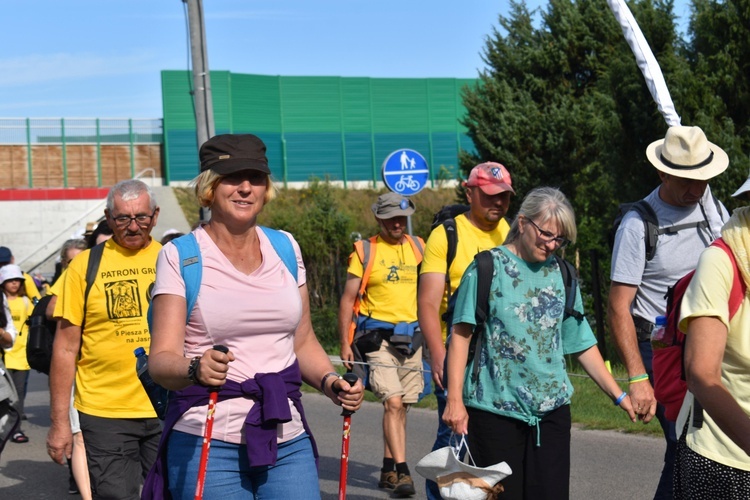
<point x="718" y="207"/>
<point x="485" y="269"/>
<point x="283" y="246"/>
<point x="451" y="235"/>
<point x="650" y="226"/>
<point x="737" y="293"/>
<point x="92" y="268"/>
<point x="417" y="245"/>
<point x="570" y="283"/>
<point x="365" y="250"/>
<point x="191" y="269"/>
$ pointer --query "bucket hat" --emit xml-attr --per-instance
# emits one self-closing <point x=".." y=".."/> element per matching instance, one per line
<point x="391" y="205"/>
<point x="458" y="480"/>
<point x="229" y="153"/>
<point x="685" y="152"/>
<point x="490" y="177"/>
<point x="10" y="272"/>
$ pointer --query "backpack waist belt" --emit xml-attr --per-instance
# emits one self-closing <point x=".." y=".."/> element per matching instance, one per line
<point x="643" y="329"/>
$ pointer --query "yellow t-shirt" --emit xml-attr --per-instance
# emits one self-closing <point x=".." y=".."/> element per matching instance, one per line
<point x="391" y="293"/>
<point x="32" y="291"/>
<point x="106" y="382"/>
<point x="20" y="310"/>
<point x="57" y="286"/>
<point x="708" y="295"/>
<point x="471" y="241"/>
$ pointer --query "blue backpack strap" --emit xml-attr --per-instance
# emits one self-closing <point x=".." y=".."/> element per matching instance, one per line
<point x="283" y="246"/>
<point x="191" y="268"/>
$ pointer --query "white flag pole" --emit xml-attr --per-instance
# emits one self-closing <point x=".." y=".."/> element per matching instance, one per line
<point x="646" y="61"/>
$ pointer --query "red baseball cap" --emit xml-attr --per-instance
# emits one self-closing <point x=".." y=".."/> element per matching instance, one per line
<point x="490" y="177"/>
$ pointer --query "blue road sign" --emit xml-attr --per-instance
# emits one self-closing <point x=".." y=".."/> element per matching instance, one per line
<point x="405" y="172"/>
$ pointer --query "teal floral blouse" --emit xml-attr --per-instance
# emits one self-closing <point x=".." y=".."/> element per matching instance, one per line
<point x="521" y="365"/>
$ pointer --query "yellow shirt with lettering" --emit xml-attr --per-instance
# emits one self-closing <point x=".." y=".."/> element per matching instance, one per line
<point x="115" y="325"/>
<point x="391" y="293"/>
<point x="20" y="310"/>
<point x="471" y="241"/>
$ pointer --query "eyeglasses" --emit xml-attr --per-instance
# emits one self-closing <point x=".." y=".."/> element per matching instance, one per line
<point x="122" y="221"/>
<point x="548" y="237"/>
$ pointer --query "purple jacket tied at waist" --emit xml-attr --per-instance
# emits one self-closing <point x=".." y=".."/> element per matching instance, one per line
<point x="270" y="392"/>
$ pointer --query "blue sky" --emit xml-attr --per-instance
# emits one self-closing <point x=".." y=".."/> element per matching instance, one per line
<point x="102" y="58"/>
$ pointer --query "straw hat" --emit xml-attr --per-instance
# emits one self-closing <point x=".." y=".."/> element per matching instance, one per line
<point x="685" y="152"/>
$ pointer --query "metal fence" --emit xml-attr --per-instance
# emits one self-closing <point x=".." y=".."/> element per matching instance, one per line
<point x="80" y="130"/>
<point x="77" y="152"/>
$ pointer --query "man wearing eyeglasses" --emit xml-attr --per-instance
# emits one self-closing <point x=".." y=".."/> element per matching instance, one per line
<point x="98" y="332"/>
<point x="488" y="192"/>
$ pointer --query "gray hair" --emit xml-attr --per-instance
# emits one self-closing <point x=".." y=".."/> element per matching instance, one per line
<point x="542" y="204"/>
<point x="78" y="243"/>
<point x="130" y="189"/>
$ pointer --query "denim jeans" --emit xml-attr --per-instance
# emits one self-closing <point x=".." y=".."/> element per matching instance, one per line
<point x="229" y="475"/>
<point x="441" y="440"/>
<point x="664" y="491"/>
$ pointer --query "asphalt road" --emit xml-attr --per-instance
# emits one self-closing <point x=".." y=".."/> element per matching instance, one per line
<point x="605" y="464"/>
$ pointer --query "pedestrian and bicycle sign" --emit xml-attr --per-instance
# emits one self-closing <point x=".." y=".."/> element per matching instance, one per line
<point x="405" y="172"/>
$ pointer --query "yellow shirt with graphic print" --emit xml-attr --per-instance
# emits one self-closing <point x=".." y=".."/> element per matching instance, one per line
<point x="391" y="293"/>
<point x="115" y="325"/>
<point x="20" y="309"/>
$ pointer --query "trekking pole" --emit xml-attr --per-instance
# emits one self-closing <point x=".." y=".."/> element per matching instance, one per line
<point x="212" y="399"/>
<point x="351" y="379"/>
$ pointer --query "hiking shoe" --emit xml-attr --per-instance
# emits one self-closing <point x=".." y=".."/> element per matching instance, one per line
<point x="388" y="479"/>
<point x="404" y="486"/>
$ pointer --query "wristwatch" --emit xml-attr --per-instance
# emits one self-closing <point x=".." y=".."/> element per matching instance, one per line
<point x="192" y="373"/>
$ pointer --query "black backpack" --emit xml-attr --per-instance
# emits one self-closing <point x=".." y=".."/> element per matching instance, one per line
<point x="485" y="270"/>
<point x="41" y="336"/>
<point x="446" y="217"/>
<point x="651" y="229"/>
<point x="42" y="330"/>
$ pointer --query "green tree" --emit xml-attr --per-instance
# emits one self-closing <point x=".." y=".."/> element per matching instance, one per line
<point x="719" y="93"/>
<point x="563" y="103"/>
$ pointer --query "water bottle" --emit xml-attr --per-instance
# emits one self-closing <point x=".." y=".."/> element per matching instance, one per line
<point x="657" y="334"/>
<point x="156" y="393"/>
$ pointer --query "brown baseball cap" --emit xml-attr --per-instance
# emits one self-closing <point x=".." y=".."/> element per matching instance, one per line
<point x="229" y="153"/>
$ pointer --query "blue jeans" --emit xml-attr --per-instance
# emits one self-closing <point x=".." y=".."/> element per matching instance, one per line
<point x="665" y="489"/>
<point x="441" y="440"/>
<point x="229" y="475"/>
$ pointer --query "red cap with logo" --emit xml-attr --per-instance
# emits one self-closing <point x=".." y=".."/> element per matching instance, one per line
<point x="490" y="177"/>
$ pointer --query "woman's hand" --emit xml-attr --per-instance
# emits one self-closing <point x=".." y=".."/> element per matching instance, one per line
<point x="213" y="367"/>
<point x="349" y="397"/>
<point x="456" y="417"/>
<point x="627" y="406"/>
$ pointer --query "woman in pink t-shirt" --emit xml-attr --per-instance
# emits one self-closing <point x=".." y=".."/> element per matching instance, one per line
<point x="249" y="302"/>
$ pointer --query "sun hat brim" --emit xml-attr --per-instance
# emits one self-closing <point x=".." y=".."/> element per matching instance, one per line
<point x="718" y="164"/>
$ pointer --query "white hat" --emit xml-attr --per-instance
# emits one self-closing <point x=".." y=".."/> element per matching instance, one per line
<point x="10" y="272"/>
<point x="685" y="152"/>
<point x="744" y="188"/>
<point x="458" y="480"/>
